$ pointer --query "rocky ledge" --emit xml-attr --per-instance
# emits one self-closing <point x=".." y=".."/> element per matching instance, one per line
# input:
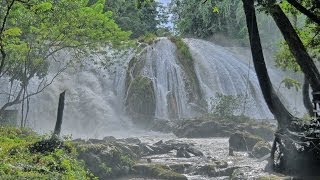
<point x="205" y="127"/>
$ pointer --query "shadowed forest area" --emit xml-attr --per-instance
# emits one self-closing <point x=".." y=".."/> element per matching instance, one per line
<point x="159" y="89"/>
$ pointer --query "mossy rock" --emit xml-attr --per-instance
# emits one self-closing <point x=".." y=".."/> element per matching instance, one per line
<point x="157" y="171"/>
<point x="141" y="103"/>
<point x="106" y="160"/>
<point x="185" y="58"/>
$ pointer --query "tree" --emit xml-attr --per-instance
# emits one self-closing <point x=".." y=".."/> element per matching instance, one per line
<point x="208" y="17"/>
<point x="308" y="33"/>
<point x="35" y="32"/>
<point x="305" y="11"/>
<point x="274" y="103"/>
<point x="139" y="17"/>
<point x="295" y="45"/>
<point x="296" y="144"/>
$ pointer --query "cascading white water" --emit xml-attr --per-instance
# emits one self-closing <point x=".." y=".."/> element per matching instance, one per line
<point x="92" y="108"/>
<point x="94" y="99"/>
<point x="162" y="68"/>
<point x="219" y="71"/>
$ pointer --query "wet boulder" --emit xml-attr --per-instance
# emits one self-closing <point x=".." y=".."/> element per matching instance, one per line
<point x="131" y="140"/>
<point x="194" y="151"/>
<point x="182" y="153"/>
<point x="206" y="126"/>
<point x="243" y="141"/>
<point x="213" y="170"/>
<point x="156" y="171"/>
<point x="261" y="149"/>
<point x="109" y="139"/>
<point x="201" y="129"/>
<point x="241" y="173"/>
<point x="180" y="168"/>
<point x="162" y="125"/>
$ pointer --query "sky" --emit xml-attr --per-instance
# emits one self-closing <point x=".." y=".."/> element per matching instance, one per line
<point x="164" y="1"/>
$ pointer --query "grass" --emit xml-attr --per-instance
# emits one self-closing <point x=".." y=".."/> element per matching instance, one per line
<point x="17" y="162"/>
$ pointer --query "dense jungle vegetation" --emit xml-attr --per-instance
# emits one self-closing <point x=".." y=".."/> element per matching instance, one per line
<point x="34" y="33"/>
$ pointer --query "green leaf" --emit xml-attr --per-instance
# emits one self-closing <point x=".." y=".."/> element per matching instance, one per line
<point x="291" y="83"/>
<point x="215" y="9"/>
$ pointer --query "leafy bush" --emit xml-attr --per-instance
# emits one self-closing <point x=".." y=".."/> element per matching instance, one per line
<point x="227" y="106"/>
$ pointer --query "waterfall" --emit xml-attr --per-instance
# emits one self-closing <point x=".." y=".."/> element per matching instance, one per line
<point x="92" y="108"/>
<point x="219" y="71"/>
<point x="162" y="68"/>
<point x="95" y="98"/>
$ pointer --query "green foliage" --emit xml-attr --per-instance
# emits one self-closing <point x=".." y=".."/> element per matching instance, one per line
<point x="218" y="18"/>
<point x="36" y="31"/>
<point x="308" y="32"/>
<point x="226" y="106"/>
<point x="205" y="19"/>
<point x="17" y="162"/>
<point x="291" y="83"/>
<point x="139" y="17"/>
<point x="148" y="38"/>
<point x="215" y="9"/>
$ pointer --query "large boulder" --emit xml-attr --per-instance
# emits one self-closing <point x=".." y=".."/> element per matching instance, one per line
<point x="206" y="126"/>
<point x="162" y="125"/>
<point x="107" y="160"/>
<point x="202" y="129"/>
<point x="243" y="141"/>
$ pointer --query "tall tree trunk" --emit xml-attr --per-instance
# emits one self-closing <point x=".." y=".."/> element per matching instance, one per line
<point x="57" y="128"/>
<point x="273" y="101"/>
<point x="306" y="97"/>
<point x="296" y="46"/>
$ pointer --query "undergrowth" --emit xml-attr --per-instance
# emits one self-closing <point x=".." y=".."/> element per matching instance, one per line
<point x="17" y="162"/>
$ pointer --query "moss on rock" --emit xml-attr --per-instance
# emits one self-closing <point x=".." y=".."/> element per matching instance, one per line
<point x="157" y="171"/>
<point x="140" y="102"/>
<point x="186" y="60"/>
<point x="106" y="160"/>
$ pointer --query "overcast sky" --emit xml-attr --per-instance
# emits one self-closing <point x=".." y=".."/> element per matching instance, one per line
<point x="164" y="1"/>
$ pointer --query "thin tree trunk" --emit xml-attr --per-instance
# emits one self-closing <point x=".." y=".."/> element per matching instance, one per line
<point x="57" y="128"/>
<point x="273" y="101"/>
<point x="306" y="97"/>
<point x="296" y="46"/>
